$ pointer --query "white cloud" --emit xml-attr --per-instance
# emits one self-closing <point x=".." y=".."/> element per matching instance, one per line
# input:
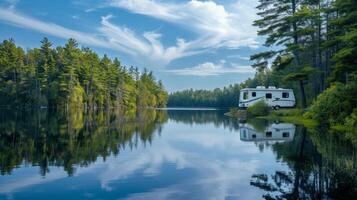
<point x="239" y="57"/>
<point x="147" y="45"/>
<point x="49" y="28"/>
<point x="212" y="69"/>
<point x="213" y="23"/>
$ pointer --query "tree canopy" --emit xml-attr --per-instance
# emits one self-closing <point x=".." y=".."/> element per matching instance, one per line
<point x="69" y="76"/>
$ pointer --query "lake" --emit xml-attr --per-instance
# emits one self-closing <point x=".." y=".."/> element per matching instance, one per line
<point x="169" y="154"/>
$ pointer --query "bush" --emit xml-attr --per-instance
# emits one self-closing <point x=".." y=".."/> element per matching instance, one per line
<point x="351" y="122"/>
<point x="259" y="109"/>
<point x="334" y="104"/>
<point x="233" y="111"/>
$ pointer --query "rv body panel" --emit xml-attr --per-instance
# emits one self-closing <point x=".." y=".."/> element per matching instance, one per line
<point x="272" y="96"/>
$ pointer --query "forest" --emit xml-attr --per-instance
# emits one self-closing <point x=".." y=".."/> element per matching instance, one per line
<point x="67" y="76"/>
<point x="310" y="46"/>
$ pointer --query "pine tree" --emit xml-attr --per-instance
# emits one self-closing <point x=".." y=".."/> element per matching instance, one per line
<point x="287" y="24"/>
<point x="345" y="39"/>
<point x="11" y="66"/>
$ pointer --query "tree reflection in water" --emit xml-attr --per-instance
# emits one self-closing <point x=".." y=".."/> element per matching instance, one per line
<point x="74" y="138"/>
<point x="321" y="165"/>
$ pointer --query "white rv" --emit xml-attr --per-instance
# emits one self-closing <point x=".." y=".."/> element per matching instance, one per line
<point x="274" y="132"/>
<point x="274" y="97"/>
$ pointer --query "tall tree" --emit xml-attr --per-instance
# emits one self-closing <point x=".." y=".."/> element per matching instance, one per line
<point x="285" y="23"/>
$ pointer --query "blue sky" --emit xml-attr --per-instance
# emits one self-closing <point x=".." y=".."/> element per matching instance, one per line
<point x="188" y="44"/>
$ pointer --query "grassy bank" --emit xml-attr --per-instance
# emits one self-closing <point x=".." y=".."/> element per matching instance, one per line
<point x="295" y="116"/>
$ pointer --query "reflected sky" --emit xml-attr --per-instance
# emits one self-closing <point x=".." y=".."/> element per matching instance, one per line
<point x="183" y="161"/>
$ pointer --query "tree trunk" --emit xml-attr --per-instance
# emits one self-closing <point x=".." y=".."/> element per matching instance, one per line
<point x="321" y="75"/>
<point x="297" y="57"/>
<point x="302" y="94"/>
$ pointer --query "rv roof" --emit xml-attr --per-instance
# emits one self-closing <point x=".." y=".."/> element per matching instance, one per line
<point x="271" y="89"/>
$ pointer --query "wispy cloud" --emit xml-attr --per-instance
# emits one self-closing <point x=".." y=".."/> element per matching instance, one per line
<point x="212" y="69"/>
<point x="109" y="35"/>
<point x="239" y="57"/>
<point x="24" y="21"/>
<point x="148" y="44"/>
<point x="215" y="25"/>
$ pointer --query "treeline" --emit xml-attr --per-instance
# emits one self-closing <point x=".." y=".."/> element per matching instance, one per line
<point x="226" y="97"/>
<point x="67" y="76"/>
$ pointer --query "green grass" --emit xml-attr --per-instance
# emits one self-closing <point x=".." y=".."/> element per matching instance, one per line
<point x="294" y="115"/>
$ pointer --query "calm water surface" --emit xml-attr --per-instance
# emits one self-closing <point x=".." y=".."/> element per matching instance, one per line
<point x="169" y="154"/>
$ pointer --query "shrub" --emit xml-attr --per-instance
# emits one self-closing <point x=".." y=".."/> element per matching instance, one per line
<point x="233" y="111"/>
<point x="258" y="109"/>
<point x="351" y="122"/>
<point x="334" y="104"/>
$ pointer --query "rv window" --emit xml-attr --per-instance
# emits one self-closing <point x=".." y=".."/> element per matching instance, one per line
<point x="285" y="134"/>
<point x="268" y="95"/>
<point x="285" y="95"/>
<point x="245" y="95"/>
<point x="268" y="133"/>
<point x="254" y="94"/>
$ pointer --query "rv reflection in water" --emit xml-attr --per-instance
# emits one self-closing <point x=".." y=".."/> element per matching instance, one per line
<point x="274" y="132"/>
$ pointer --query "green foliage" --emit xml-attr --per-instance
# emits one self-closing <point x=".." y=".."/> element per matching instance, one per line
<point x="260" y="108"/>
<point x="334" y="104"/>
<point x="282" y="61"/>
<point x="300" y="74"/>
<point x="288" y="112"/>
<point x="224" y="98"/>
<point x="345" y="39"/>
<point x="351" y="122"/>
<point x="70" y="76"/>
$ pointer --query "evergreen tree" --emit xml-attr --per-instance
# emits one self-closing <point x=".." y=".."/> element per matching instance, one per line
<point x="72" y="77"/>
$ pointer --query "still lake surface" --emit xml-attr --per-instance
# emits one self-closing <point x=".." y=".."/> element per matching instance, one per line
<point x="169" y="154"/>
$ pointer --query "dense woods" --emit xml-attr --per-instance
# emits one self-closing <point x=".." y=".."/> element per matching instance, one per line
<point x="67" y="76"/>
<point x="226" y="97"/>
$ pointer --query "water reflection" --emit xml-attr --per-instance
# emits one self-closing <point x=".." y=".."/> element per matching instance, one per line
<point x="169" y="155"/>
<point x="321" y="166"/>
<point x="273" y="132"/>
<point x="67" y="139"/>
